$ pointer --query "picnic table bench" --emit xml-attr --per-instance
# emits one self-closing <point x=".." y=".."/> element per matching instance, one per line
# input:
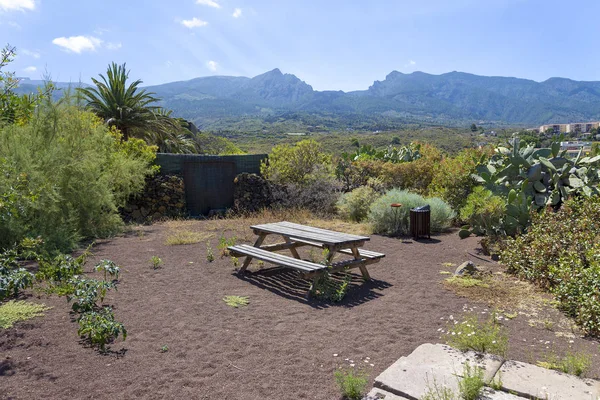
<point x="296" y="235"/>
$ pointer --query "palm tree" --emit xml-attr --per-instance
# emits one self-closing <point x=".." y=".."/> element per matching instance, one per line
<point x="126" y="107"/>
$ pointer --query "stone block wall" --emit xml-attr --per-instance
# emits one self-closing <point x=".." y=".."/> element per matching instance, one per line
<point x="163" y="197"/>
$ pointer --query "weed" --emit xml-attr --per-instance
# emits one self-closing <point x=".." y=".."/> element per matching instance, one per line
<point x="484" y="337"/>
<point x="86" y="292"/>
<point x="260" y="264"/>
<point x="328" y="289"/>
<point x="436" y="391"/>
<point x="109" y="268"/>
<point x="352" y="385"/>
<point x="548" y="324"/>
<point x="445" y="273"/>
<point x="448" y="264"/>
<point x="224" y="243"/>
<point x="186" y="237"/>
<point x="496" y="384"/>
<point x="100" y="327"/>
<point x="466" y="281"/>
<point x="471" y="383"/>
<point x="235" y="261"/>
<point x="512" y="315"/>
<point x="210" y="257"/>
<point x="236" y="301"/>
<point x="572" y="363"/>
<point x="156" y="262"/>
<point x="15" y="311"/>
<point x="164" y="349"/>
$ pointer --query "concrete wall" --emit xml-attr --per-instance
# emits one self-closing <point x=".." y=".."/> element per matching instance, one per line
<point x="208" y="179"/>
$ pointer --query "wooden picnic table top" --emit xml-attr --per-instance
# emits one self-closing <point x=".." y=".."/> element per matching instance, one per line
<point x="292" y="230"/>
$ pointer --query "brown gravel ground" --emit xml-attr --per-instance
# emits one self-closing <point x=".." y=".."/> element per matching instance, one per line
<point x="281" y="346"/>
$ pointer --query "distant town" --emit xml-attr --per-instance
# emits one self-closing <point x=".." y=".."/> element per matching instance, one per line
<point x="581" y="133"/>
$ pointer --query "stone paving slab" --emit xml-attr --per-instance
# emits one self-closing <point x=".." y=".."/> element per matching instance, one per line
<point x="380" y="394"/>
<point x="429" y="365"/>
<point x="490" y="394"/>
<point x="532" y="381"/>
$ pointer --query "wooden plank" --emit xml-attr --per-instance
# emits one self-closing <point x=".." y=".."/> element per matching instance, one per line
<point x="292" y="248"/>
<point x="363" y="253"/>
<point x="309" y="233"/>
<point x="275" y="258"/>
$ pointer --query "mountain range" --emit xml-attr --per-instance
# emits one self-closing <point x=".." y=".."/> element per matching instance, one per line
<point x="451" y="98"/>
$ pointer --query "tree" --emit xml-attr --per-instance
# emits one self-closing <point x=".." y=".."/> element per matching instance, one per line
<point x="473" y="128"/>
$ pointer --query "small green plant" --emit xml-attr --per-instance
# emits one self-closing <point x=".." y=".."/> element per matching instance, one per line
<point x="210" y="257"/>
<point x="236" y="301"/>
<point x="436" y="391"/>
<point x="496" y="384"/>
<point x="471" y="383"/>
<point x="224" y="243"/>
<point x="164" y="349"/>
<point x="109" y="268"/>
<point x="235" y="261"/>
<point x="572" y="363"/>
<point x="484" y="337"/>
<point x="156" y="262"/>
<point x="328" y="289"/>
<point x="100" y="327"/>
<point x="87" y="292"/>
<point x="13" y="281"/>
<point x="352" y="385"/>
<point x="260" y="264"/>
<point x="15" y="311"/>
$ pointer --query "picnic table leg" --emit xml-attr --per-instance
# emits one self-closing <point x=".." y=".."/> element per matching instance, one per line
<point x="363" y="268"/>
<point x="259" y="241"/>
<point x="292" y="249"/>
<point x="328" y="260"/>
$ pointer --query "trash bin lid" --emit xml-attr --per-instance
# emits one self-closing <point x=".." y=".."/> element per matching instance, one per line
<point x="422" y="208"/>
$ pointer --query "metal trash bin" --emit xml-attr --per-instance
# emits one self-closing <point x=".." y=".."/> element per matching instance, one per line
<point x="420" y="221"/>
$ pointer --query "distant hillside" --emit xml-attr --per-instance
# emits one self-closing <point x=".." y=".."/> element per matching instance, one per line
<point x="455" y="98"/>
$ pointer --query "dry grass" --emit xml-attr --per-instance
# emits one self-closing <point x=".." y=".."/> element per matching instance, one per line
<point x="500" y="291"/>
<point x="186" y="237"/>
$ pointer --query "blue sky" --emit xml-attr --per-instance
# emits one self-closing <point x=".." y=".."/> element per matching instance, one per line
<point x="330" y="44"/>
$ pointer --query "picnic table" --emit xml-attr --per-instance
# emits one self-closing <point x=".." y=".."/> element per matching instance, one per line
<point x="297" y="235"/>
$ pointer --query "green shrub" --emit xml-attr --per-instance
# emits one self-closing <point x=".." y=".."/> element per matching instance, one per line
<point x="472" y="382"/>
<point x="100" y="327"/>
<point x="64" y="175"/>
<point x="87" y="292"/>
<point x="560" y="252"/>
<point x="352" y="385"/>
<point x="354" y="206"/>
<point x="484" y="337"/>
<point x="483" y="211"/>
<point x="298" y="164"/>
<point x="395" y="220"/>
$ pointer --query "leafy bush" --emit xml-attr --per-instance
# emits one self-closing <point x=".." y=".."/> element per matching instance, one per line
<point x="15" y="311"/>
<point x="64" y="175"/>
<point x="354" y="206"/>
<point x="472" y="382"/>
<point x="352" y="385"/>
<point x="483" y="211"/>
<point x="452" y="179"/>
<point x="100" y="327"/>
<point x="13" y="278"/>
<point x="483" y="337"/>
<point x="395" y="220"/>
<point x="86" y="293"/>
<point x="299" y="164"/>
<point x="320" y="195"/>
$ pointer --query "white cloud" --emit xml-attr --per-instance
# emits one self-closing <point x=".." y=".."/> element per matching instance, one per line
<point x="193" y="23"/>
<point x="18" y="5"/>
<point x="212" y="65"/>
<point x="113" y="46"/>
<point x="412" y="62"/>
<point x="210" y="3"/>
<point x="30" y="53"/>
<point x="30" y="69"/>
<point x="78" y="44"/>
<point x="168" y="64"/>
<point x="237" y="13"/>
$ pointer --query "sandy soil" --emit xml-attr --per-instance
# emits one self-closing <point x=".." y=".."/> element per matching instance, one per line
<point x="281" y="346"/>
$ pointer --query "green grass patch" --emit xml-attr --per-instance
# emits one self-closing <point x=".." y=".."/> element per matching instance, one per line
<point x="572" y="363"/>
<point x="15" y="311"/>
<point x="236" y="301"/>
<point x="484" y="337"/>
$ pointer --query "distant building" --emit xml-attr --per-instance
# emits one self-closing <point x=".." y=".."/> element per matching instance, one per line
<point x="573" y="148"/>
<point x="575" y="127"/>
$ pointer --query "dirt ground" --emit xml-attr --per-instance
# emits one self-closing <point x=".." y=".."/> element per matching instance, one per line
<point x="281" y="346"/>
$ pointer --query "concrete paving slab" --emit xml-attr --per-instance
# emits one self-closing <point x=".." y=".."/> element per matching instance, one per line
<point x="529" y="380"/>
<point x="432" y="365"/>
<point x="491" y="394"/>
<point x="380" y="394"/>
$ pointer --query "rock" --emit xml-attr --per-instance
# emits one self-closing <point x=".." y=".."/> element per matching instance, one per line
<point x="467" y="268"/>
<point x="251" y="193"/>
<point x="531" y="381"/>
<point x="380" y="394"/>
<point x="413" y="376"/>
<point x="491" y="394"/>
